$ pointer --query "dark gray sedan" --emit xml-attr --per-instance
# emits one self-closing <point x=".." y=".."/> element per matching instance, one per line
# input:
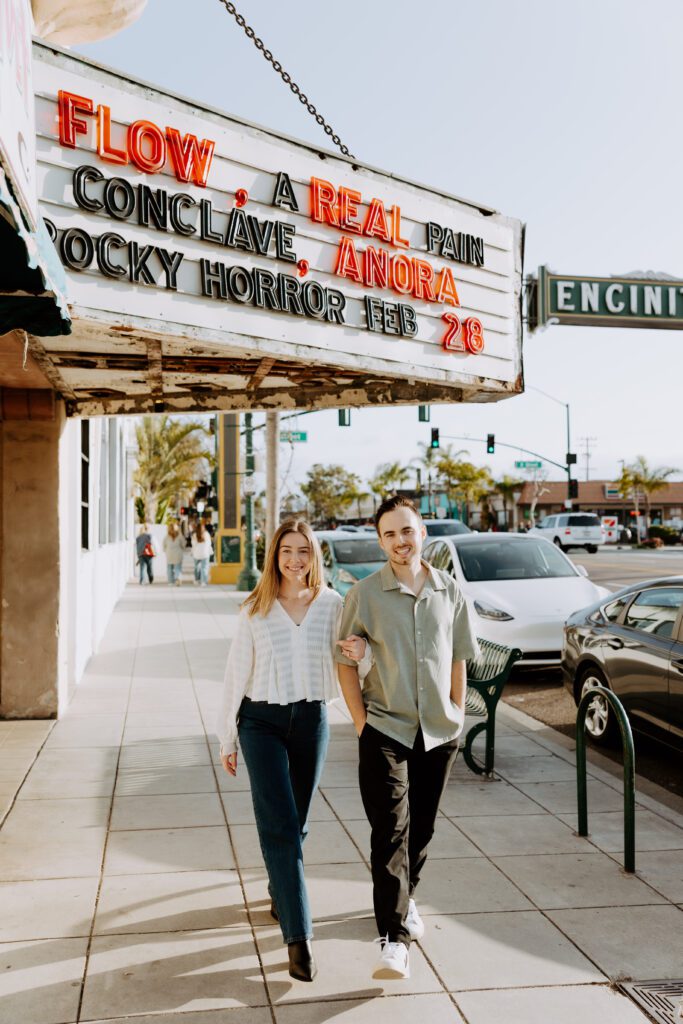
<point x="631" y="642"/>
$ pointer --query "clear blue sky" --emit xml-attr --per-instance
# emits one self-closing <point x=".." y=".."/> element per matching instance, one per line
<point x="566" y="115"/>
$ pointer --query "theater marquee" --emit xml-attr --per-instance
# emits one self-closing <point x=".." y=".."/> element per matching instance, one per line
<point x="214" y="264"/>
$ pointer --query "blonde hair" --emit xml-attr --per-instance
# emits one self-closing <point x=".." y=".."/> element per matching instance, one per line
<point x="173" y="530"/>
<point x="262" y="598"/>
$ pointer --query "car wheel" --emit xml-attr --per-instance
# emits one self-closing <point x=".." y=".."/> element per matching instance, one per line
<point x="601" y="725"/>
<point x="592" y="549"/>
<point x="558" y="543"/>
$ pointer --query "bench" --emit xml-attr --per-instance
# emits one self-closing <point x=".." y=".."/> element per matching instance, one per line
<point x="486" y="677"/>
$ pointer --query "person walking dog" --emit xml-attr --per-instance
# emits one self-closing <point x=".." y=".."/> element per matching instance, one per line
<point x="408" y="715"/>
<point x="279" y="676"/>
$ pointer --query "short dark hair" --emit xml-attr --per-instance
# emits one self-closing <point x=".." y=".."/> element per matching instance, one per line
<point x="396" y="501"/>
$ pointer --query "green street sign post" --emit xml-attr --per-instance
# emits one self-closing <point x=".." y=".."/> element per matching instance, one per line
<point x="605" y="301"/>
<point x="528" y="465"/>
<point x="293" y="435"/>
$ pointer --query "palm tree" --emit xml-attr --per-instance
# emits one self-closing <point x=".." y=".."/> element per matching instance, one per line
<point x="355" y="493"/>
<point x="464" y="481"/>
<point x="387" y="479"/>
<point x="648" y="481"/>
<point x="171" y="459"/>
<point x="506" y="488"/>
<point x="428" y="460"/>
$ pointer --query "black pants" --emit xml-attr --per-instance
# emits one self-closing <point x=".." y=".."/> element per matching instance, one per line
<point x="401" y="790"/>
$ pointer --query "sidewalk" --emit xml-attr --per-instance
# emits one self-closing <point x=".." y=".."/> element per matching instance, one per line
<point x="132" y="887"/>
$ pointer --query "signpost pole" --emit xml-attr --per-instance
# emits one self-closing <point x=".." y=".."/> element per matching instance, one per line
<point x="569" y="448"/>
<point x="272" y="474"/>
<point x="250" y="575"/>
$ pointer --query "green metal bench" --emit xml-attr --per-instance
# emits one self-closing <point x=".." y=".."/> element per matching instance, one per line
<point x="486" y="677"/>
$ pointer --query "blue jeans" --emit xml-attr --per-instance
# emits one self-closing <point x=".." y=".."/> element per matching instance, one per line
<point x="173" y="572"/>
<point x="201" y="570"/>
<point x="146" y="563"/>
<point x="284" y="747"/>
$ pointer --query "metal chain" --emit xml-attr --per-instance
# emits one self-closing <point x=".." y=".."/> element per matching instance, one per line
<point x="286" y="78"/>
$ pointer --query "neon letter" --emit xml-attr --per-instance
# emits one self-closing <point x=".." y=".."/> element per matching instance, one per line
<point x="323" y="202"/>
<point x="191" y="159"/>
<point x="156" y="158"/>
<point x="104" y="146"/>
<point x="68" y="105"/>
<point x="347" y="261"/>
<point x="445" y="287"/>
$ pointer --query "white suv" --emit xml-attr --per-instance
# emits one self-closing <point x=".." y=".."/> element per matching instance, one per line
<point x="572" y="530"/>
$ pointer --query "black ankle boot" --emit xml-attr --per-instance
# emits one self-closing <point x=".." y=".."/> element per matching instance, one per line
<point x="301" y="963"/>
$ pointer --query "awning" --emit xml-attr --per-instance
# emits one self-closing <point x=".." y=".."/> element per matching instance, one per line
<point x="32" y="279"/>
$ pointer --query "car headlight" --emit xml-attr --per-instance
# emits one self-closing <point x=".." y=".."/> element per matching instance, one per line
<point x="344" y="576"/>
<point x="487" y="611"/>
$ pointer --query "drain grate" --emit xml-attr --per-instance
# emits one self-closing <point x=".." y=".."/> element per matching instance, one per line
<point x="663" y="1000"/>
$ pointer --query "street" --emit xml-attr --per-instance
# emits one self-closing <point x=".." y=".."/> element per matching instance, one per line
<point x="542" y="695"/>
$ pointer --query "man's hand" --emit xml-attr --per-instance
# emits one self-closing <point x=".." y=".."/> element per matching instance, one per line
<point x="229" y="762"/>
<point x="352" y="647"/>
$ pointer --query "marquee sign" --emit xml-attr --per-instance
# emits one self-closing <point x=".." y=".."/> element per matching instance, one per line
<point x="606" y="301"/>
<point x="212" y="237"/>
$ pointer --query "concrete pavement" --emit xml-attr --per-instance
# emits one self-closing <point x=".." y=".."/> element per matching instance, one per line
<point x="132" y="887"/>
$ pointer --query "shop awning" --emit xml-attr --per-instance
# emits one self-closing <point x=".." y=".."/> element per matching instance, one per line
<point x="32" y="279"/>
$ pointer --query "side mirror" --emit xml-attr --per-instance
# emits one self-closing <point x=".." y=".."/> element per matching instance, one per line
<point x="582" y="570"/>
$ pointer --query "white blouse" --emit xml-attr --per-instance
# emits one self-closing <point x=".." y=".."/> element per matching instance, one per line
<point x="274" y="660"/>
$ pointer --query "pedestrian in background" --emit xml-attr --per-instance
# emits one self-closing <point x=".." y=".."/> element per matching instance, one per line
<point x="202" y="549"/>
<point x="144" y="546"/>
<point x="279" y="676"/>
<point x="174" y="549"/>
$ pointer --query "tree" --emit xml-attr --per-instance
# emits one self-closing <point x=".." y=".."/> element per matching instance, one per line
<point x="355" y="493"/>
<point x="387" y="479"/>
<point x="538" y="490"/>
<point x="464" y="481"/>
<point x="428" y="460"/>
<point x="506" y="488"/>
<point x="328" y="490"/>
<point x="637" y="478"/>
<point x="172" y="456"/>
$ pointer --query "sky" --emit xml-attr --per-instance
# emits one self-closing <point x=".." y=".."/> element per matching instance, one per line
<point x="565" y="115"/>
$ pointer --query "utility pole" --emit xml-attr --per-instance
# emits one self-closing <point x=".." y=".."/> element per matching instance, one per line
<point x="250" y="575"/>
<point x="272" y="475"/>
<point x="570" y="458"/>
<point x="588" y="443"/>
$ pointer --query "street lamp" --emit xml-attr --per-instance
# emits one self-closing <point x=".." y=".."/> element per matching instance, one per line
<point x="570" y="457"/>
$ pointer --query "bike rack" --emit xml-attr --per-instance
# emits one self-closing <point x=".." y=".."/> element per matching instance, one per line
<point x="629" y="771"/>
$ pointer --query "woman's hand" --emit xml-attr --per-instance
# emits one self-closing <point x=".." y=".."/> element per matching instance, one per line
<point x="353" y="647"/>
<point x="229" y="762"/>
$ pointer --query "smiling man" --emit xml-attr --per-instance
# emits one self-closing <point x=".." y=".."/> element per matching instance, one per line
<point x="408" y="715"/>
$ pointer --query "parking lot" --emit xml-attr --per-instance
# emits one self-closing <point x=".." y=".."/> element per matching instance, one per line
<point x="542" y="695"/>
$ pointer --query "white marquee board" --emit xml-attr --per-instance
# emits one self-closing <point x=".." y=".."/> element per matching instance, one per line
<point x="478" y="251"/>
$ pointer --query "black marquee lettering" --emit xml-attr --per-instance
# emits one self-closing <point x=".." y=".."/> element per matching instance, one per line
<point x="119" y="198"/>
<point x="477" y="251"/>
<point x="138" y="269"/>
<point x="261" y="235"/>
<point x="336" y="304"/>
<point x="290" y="294"/>
<point x="51" y="229"/>
<point x="104" y="245"/>
<point x="180" y="201"/>
<point x="170" y="261"/>
<point x="284" y="193"/>
<point x="374" y="313"/>
<point x="238" y="236"/>
<point x="213" y="274"/>
<point x="314" y="299"/>
<point x="153" y="206"/>
<point x="240" y="284"/>
<point x="434" y="236"/>
<point x="284" y="234"/>
<point x="265" y="293"/>
<point x="71" y="240"/>
<point x="82" y="175"/>
<point x="408" y="320"/>
<point x="205" y="229"/>
<point x="449" y="246"/>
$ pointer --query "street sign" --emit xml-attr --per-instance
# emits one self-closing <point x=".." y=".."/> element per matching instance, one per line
<point x="528" y="465"/>
<point x="640" y="300"/>
<point x="293" y="435"/>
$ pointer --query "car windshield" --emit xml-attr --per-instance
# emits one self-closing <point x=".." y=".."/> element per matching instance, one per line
<point x="437" y="529"/>
<point x="516" y="560"/>
<point x="356" y="550"/>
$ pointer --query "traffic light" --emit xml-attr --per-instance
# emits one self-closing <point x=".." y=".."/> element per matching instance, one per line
<point x="490" y="443"/>
<point x="573" y="488"/>
<point x="435" y="438"/>
<point x="424" y="413"/>
<point x="344" y="418"/>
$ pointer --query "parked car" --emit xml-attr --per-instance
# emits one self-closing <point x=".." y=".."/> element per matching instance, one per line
<point x="633" y="644"/>
<point x="520" y="589"/>
<point x="349" y="557"/>
<point x="571" y="530"/>
<point x="445" y="527"/>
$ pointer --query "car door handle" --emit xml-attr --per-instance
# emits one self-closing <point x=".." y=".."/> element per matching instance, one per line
<point x="678" y="665"/>
<point x="615" y="644"/>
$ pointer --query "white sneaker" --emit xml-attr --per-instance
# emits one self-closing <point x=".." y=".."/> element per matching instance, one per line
<point x="414" y="922"/>
<point x="393" y="963"/>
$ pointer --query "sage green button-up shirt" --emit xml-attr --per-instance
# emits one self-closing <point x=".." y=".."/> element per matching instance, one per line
<point x="415" y="641"/>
